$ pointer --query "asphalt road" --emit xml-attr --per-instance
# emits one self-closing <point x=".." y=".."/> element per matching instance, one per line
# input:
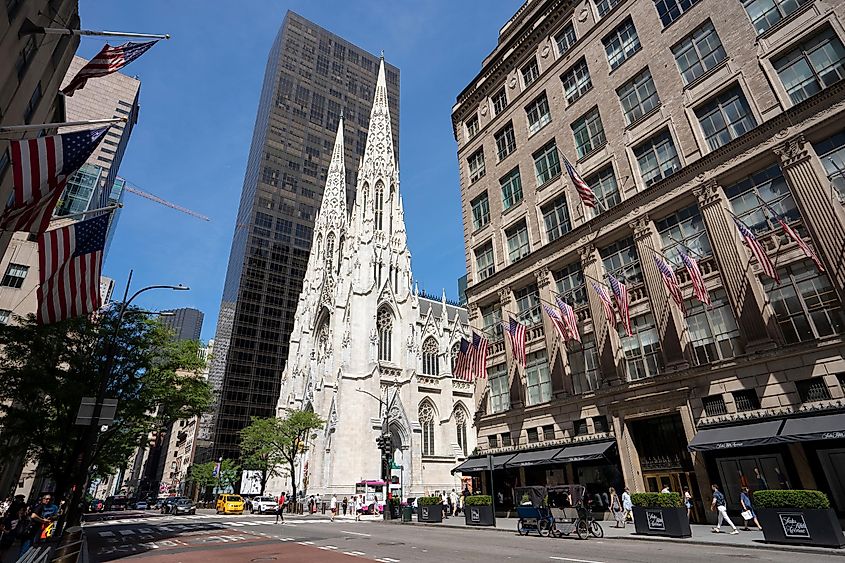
<point x="207" y="538"/>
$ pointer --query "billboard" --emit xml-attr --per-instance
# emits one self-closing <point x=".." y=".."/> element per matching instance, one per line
<point x="251" y="482"/>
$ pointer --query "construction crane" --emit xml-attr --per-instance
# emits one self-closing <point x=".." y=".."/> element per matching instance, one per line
<point x="138" y="191"/>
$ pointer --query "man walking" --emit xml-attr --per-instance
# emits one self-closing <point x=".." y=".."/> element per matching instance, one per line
<point x="718" y="504"/>
<point x="280" y="509"/>
<point x="333" y="506"/>
<point x="627" y="505"/>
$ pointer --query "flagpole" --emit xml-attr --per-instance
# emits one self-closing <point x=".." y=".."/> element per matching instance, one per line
<point x="84" y="213"/>
<point x="30" y="28"/>
<point x="698" y="254"/>
<point x="36" y="127"/>
<point x="832" y="187"/>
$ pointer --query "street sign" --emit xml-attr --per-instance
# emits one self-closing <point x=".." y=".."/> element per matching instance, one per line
<point x="85" y="415"/>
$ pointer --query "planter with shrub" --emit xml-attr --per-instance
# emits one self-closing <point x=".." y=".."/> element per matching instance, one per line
<point x="660" y="514"/>
<point x="798" y="518"/>
<point x="478" y="510"/>
<point x="429" y="509"/>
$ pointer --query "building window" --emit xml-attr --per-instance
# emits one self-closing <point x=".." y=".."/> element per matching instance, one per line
<point x="476" y="165"/>
<point x="714" y="405"/>
<point x="576" y="81"/>
<point x="769" y="186"/>
<point x="766" y="13"/>
<point x="600" y="425"/>
<point x="565" y="39"/>
<point x="426" y="416"/>
<point x="5" y="160"/>
<point x="31" y="106"/>
<point x="657" y="158"/>
<point x="528" y="305"/>
<point x="472" y="126"/>
<point x="812" y="390"/>
<point x="700" y="51"/>
<point x="603" y="183"/>
<point x="533" y="435"/>
<point x="25" y="56"/>
<point x="518" y="246"/>
<point x="493" y="441"/>
<point x="713" y="333"/>
<point x="805" y="303"/>
<point x="384" y="323"/>
<point x="570" y="284"/>
<point x="511" y="185"/>
<point x="725" y="118"/>
<point x="580" y="428"/>
<point x="746" y="400"/>
<point x="491" y="317"/>
<point x="621" y="44"/>
<point x="461" y="429"/>
<point x="546" y="163"/>
<point x="537" y="379"/>
<point x="621" y="260"/>
<point x="683" y="231"/>
<point x="500" y="101"/>
<point x="530" y="72"/>
<point x="480" y="211"/>
<point x="812" y="66"/>
<point x="556" y="218"/>
<point x="831" y="151"/>
<point x="506" y="439"/>
<point x="484" y="264"/>
<point x="638" y="96"/>
<point x="670" y="10"/>
<point x="583" y="364"/>
<point x="589" y="133"/>
<point x="15" y="274"/>
<point x="430" y="358"/>
<point x="538" y="113"/>
<point x="505" y="141"/>
<point x="641" y="349"/>
<point x="604" y="6"/>
<point x="499" y="389"/>
<point x="5" y="314"/>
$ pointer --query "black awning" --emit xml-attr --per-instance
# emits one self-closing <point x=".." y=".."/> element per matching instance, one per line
<point x="824" y="427"/>
<point x="583" y="452"/>
<point x="536" y="457"/>
<point x="737" y="436"/>
<point x="472" y="465"/>
<point x="499" y="461"/>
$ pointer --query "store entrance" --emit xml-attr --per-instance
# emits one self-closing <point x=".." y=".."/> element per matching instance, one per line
<point x="677" y="481"/>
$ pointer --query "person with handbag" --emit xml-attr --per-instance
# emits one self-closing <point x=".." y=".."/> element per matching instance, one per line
<point x="747" y="509"/>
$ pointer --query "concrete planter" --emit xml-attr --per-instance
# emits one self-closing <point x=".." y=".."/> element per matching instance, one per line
<point x="479" y="515"/>
<point x="432" y="513"/>
<point x="818" y="527"/>
<point x="668" y="522"/>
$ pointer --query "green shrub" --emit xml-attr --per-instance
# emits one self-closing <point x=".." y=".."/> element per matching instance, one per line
<point x="657" y="500"/>
<point x="428" y="501"/>
<point x="790" y="499"/>
<point x="478" y="500"/>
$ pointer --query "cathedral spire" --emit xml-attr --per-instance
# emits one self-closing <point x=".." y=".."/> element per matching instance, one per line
<point x="332" y="215"/>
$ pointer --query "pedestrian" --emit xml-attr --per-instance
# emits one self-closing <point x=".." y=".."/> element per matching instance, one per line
<point x="42" y="515"/>
<point x="500" y="498"/>
<point x="718" y="504"/>
<point x="344" y="505"/>
<point x="453" y="502"/>
<point x="280" y="508"/>
<point x="333" y="506"/>
<point x="616" y="508"/>
<point x="15" y="526"/>
<point x="356" y="503"/>
<point x="688" y="502"/>
<point x="465" y="493"/>
<point x="627" y="505"/>
<point x="748" y="513"/>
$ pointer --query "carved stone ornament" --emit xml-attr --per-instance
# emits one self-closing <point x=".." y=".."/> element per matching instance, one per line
<point x="707" y="193"/>
<point x="374" y="336"/>
<point x="483" y="109"/>
<point x="513" y="82"/>
<point x="641" y="227"/>
<point x="347" y="338"/>
<point x="472" y="310"/>
<point x="793" y="151"/>
<point x="505" y="295"/>
<point x="543" y="276"/>
<point x="544" y="52"/>
<point x="587" y="253"/>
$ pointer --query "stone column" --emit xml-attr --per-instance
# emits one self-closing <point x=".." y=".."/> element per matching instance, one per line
<point x="629" y="458"/>
<point x="658" y="296"/>
<point x="741" y="285"/>
<point x="602" y="331"/>
<point x="556" y="359"/>
<point x="515" y="378"/>
<point x="823" y="218"/>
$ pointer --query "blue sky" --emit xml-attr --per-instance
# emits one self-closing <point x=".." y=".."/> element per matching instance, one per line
<point x="199" y="96"/>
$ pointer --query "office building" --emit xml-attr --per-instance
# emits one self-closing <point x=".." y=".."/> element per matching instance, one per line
<point x="680" y="116"/>
<point x="312" y="77"/>
<point x="186" y="322"/>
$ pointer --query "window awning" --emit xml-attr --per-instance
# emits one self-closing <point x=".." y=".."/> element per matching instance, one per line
<point x="583" y="452"/>
<point x="536" y="457"/>
<point x="737" y="436"/>
<point x="825" y="427"/>
<point x="472" y="465"/>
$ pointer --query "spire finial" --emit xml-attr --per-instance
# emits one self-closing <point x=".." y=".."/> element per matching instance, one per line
<point x="382" y="54"/>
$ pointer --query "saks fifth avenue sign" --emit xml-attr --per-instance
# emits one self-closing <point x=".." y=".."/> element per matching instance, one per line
<point x="655" y="520"/>
<point x="794" y="525"/>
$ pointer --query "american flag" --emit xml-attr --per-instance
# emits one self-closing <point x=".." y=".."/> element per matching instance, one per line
<point x="108" y="60"/>
<point x="606" y="302"/>
<point x="567" y="313"/>
<point x="561" y="328"/>
<point x="669" y="279"/>
<point x="620" y="291"/>
<point x="462" y="370"/>
<point x="698" y="286"/>
<point x="70" y="259"/>
<point x="517" y="332"/>
<point x="40" y="168"/>
<point x="478" y="355"/>
<point x="790" y="232"/>
<point x="585" y="192"/>
<point x="757" y="249"/>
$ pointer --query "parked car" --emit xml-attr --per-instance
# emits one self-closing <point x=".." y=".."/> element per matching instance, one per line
<point x="168" y="503"/>
<point x="263" y="505"/>
<point x="183" y="506"/>
<point x="229" y="504"/>
<point x="141" y="505"/>
<point x="97" y="505"/>
<point x="117" y="503"/>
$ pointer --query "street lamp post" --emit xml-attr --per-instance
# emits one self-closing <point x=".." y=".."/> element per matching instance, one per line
<point x="91" y="433"/>
<point x="384" y="445"/>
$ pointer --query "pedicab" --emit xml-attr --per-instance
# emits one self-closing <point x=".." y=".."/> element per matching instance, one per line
<point x="571" y="512"/>
<point x="533" y="512"/>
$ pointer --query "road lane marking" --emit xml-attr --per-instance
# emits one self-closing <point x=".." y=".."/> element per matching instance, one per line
<point x="305" y="543"/>
<point x="354" y="553"/>
<point x="326" y="547"/>
<point x="574" y="560"/>
<point x="357" y="533"/>
<point x="387" y="560"/>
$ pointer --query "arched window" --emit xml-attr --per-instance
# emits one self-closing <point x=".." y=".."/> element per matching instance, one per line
<point x="379" y="203"/>
<point x="384" y="324"/>
<point x="455" y="349"/>
<point x="329" y="250"/>
<point x="427" y="424"/>
<point x="340" y="253"/>
<point x="366" y="193"/>
<point x="322" y="341"/>
<point x="461" y="428"/>
<point x="319" y="245"/>
<point x="429" y="356"/>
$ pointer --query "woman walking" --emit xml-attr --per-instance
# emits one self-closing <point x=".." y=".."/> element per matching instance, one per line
<point x="688" y="502"/>
<point x="345" y="504"/>
<point x="616" y="508"/>
<point x="747" y="510"/>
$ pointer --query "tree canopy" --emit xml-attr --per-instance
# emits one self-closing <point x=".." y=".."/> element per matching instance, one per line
<point x="259" y="451"/>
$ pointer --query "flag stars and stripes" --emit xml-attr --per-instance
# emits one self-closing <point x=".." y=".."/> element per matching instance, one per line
<point x="557" y="322"/>
<point x="569" y="320"/>
<point x="756" y="249"/>
<point x="462" y="368"/>
<point x="670" y="281"/>
<point x="517" y="333"/>
<point x="620" y="292"/>
<point x="478" y="353"/>
<point x="698" y="286"/>
<point x="108" y="60"/>
<point x="585" y="192"/>
<point x="606" y="303"/>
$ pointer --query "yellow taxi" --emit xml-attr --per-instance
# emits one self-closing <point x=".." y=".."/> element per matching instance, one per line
<point x="230" y="504"/>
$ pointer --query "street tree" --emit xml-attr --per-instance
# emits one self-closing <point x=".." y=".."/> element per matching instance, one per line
<point x="292" y="435"/>
<point x="45" y="371"/>
<point x="227" y="475"/>
<point x="259" y="451"/>
<point x="202" y="475"/>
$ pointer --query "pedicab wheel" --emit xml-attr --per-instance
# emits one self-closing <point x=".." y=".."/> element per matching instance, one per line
<point x="596" y="529"/>
<point x="582" y="529"/>
<point x="544" y="527"/>
<point x="520" y="528"/>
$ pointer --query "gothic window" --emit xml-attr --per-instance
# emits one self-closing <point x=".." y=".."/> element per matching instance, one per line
<point x="461" y="428"/>
<point x="379" y="203"/>
<point x="427" y="425"/>
<point x="429" y="356"/>
<point x="329" y="250"/>
<point x="454" y="354"/>
<point x="366" y="193"/>
<point x="319" y="245"/>
<point x="384" y="323"/>
<point x="340" y="253"/>
<point x="322" y="341"/>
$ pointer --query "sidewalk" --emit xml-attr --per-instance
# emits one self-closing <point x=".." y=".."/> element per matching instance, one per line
<point x="701" y="535"/>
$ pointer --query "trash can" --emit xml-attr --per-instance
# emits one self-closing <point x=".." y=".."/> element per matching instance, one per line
<point x="407" y="512"/>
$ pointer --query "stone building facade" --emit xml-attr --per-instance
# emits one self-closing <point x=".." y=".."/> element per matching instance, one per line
<point x="680" y="116"/>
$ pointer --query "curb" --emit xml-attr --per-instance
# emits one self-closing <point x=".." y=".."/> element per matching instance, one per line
<point x="761" y="546"/>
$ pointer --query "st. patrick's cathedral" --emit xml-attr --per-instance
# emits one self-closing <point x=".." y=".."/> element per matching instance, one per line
<point x="364" y="340"/>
